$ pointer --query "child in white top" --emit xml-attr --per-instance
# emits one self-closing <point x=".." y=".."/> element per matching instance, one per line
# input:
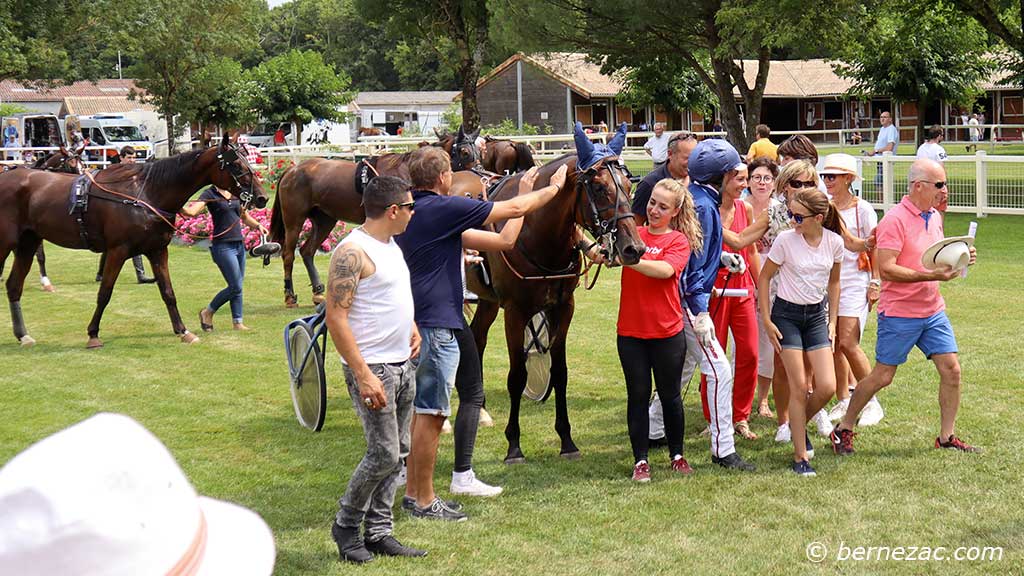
<point x="800" y="321"/>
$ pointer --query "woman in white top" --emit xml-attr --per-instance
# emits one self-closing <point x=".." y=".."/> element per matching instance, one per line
<point x="859" y="283"/>
<point x="801" y="320"/>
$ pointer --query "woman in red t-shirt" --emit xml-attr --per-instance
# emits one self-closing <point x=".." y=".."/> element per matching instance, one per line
<point x="650" y="326"/>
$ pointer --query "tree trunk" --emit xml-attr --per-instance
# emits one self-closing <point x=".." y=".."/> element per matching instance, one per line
<point x="297" y="124"/>
<point x="172" y="134"/>
<point x="469" y="73"/>
<point x="727" y="104"/>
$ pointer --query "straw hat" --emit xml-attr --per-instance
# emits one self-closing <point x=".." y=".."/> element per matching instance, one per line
<point x="953" y="252"/>
<point x="840" y="164"/>
<point x="105" y="497"/>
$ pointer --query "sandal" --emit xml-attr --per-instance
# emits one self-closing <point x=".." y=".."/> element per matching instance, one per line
<point x="743" y="429"/>
<point x="764" y="411"/>
<point x="206" y="327"/>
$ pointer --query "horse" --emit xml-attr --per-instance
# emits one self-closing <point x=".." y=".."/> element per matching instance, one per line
<point x="131" y="210"/>
<point x="325" y="191"/>
<point x="540" y="274"/>
<point x="371" y="131"/>
<point x="461" y="147"/>
<point x="506" y="156"/>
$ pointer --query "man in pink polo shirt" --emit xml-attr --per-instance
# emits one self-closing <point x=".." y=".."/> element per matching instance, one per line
<point x="911" y="312"/>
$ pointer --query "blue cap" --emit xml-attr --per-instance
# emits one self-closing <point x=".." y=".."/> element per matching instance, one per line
<point x="712" y="158"/>
<point x="590" y="153"/>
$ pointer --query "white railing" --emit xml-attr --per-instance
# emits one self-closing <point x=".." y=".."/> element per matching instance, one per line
<point x="14" y="155"/>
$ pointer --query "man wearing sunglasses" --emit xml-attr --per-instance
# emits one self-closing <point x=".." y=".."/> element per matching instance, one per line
<point x="680" y="145"/>
<point x="911" y="311"/>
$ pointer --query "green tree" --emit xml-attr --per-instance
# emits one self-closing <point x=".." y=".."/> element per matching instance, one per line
<point x="172" y="42"/>
<point x="297" y="87"/>
<point x="214" y="95"/>
<point x="663" y="82"/>
<point x="37" y="45"/>
<point x="918" y="52"/>
<point x="726" y="45"/>
<point x="1002" y="19"/>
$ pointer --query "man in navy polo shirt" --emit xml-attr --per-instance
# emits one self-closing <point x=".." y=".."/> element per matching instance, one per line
<point x="432" y="246"/>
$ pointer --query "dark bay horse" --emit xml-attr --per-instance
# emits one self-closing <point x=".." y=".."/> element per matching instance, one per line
<point x="131" y="208"/>
<point x="324" y="191"/>
<point x="541" y="273"/>
<point x="506" y="156"/>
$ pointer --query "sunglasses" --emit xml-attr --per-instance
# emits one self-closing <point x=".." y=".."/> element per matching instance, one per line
<point x="798" y="218"/>
<point x="940" y="184"/>
<point x="411" y="205"/>
<point x="797" y="184"/>
<point x="829" y="177"/>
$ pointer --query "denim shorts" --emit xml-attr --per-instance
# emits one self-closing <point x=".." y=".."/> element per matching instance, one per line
<point x="437" y="365"/>
<point x="896" y="336"/>
<point x="803" y="327"/>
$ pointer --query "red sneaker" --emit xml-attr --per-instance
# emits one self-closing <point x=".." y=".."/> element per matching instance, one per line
<point x="842" y="441"/>
<point x="955" y="443"/>
<point x="641" y="472"/>
<point x="680" y="465"/>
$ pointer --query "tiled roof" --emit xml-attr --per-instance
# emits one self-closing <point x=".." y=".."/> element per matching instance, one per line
<point x="11" y="91"/>
<point x="84" y="105"/>
<point x="797" y="79"/>
<point x="569" y="68"/>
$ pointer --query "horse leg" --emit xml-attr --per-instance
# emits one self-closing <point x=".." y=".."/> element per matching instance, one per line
<point x="322" y="227"/>
<point x="162" y="273"/>
<point x="515" y="323"/>
<point x="23" y="254"/>
<point x="560" y="317"/>
<point x="111" y="269"/>
<point x="291" y="238"/>
<point x="43" y="278"/>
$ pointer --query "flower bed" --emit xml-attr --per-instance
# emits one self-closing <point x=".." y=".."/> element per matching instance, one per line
<point x="201" y="227"/>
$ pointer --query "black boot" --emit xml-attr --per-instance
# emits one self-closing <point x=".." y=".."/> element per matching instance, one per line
<point x="140" y="271"/>
<point x="350" y="545"/>
<point x="388" y="546"/>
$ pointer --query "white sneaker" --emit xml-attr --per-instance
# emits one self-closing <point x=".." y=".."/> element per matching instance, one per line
<point x="466" y="483"/>
<point x="823" y="424"/>
<point x="485" y="419"/>
<point x="784" y="435"/>
<point x="446" y="428"/>
<point x="402" y="476"/>
<point x="839" y="410"/>
<point x="872" y="413"/>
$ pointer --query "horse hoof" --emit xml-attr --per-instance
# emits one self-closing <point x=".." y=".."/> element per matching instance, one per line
<point x="94" y="343"/>
<point x="26" y="341"/>
<point x="49" y="288"/>
<point x="515" y="460"/>
<point x="290" y="301"/>
<point x="189" y="338"/>
<point x="318" y="298"/>
<point x="571" y="455"/>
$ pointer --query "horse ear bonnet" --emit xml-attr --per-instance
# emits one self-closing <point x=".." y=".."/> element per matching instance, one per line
<point x="590" y="153"/>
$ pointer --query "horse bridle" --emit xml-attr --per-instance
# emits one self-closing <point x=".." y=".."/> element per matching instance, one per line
<point x="456" y="156"/>
<point x="228" y="158"/>
<point x="605" y="231"/>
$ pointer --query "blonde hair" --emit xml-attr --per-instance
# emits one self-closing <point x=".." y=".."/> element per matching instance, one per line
<point x="686" y="220"/>
<point x="793" y="171"/>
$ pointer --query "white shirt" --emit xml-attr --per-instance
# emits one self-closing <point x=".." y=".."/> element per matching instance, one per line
<point x="932" y="151"/>
<point x="658" y="147"/>
<point x="382" y="311"/>
<point x="868" y="219"/>
<point x="804" y="270"/>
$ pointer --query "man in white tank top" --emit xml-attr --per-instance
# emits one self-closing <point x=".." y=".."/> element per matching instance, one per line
<point x="370" y="317"/>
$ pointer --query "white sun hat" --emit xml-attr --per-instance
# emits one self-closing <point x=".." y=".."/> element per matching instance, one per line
<point x="954" y="252"/>
<point x="840" y="164"/>
<point x="105" y="497"/>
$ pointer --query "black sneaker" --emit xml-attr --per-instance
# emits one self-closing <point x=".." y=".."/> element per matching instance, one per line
<point x="146" y="280"/>
<point x="350" y="545"/>
<point x="803" y="468"/>
<point x="734" y="462"/>
<point x="438" y="510"/>
<point x="408" y="503"/>
<point x="810" y="448"/>
<point x="388" y="546"/>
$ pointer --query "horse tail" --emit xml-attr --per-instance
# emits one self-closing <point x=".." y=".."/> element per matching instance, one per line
<point x="276" y="218"/>
<point x="524" y="157"/>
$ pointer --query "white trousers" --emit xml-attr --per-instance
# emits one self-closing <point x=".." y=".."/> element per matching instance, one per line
<point x="715" y="365"/>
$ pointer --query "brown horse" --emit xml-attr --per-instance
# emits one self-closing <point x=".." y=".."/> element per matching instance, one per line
<point x="372" y="131"/>
<point x="131" y="208"/>
<point x="540" y="274"/>
<point x="506" y="156"/>
<point x="324" y="191"/>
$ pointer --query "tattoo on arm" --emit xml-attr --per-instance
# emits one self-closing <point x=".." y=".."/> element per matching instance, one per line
<point x="346" y="268"/>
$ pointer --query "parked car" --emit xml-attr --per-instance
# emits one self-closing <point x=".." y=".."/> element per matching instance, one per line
<point x="117" y="132"/>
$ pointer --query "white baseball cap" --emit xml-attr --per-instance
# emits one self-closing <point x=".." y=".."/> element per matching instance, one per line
<point x="105" y="497"/>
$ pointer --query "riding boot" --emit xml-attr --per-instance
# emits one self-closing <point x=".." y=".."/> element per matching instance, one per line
<point x="140" y="271"/>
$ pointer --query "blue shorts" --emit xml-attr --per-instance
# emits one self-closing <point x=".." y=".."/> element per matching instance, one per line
<point x="803" y="327"/>
<point x="435" y="373"/>
<point x="896" y="336"/>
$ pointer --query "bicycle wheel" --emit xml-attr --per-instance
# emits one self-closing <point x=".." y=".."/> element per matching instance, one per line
<point x="309" y="385"/>
<point x="538" y="359"/>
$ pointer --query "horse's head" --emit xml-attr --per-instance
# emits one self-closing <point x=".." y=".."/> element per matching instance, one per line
<point x="236" y="175"/>
<point x="69" y="161"/>
<point x="464" y="153"/>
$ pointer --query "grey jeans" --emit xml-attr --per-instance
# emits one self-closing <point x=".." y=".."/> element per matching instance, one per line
<point x="371" y="489"/>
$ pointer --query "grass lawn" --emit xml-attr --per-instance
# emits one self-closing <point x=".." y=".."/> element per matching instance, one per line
<point x="223" y="409"/>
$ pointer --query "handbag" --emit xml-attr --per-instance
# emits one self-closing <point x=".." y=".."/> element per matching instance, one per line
<point x="863" y="258"/>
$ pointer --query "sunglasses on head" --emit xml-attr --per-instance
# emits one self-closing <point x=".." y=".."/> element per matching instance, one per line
<point x="798" y="218"/>
<point x="803" y="184"/>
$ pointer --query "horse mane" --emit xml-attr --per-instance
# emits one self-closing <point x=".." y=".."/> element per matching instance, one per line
<point x="161" y="173"/>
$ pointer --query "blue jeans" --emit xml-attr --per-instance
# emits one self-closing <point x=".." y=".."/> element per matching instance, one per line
<point x="436" y="368"/>
<point x="230" y="258"/>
